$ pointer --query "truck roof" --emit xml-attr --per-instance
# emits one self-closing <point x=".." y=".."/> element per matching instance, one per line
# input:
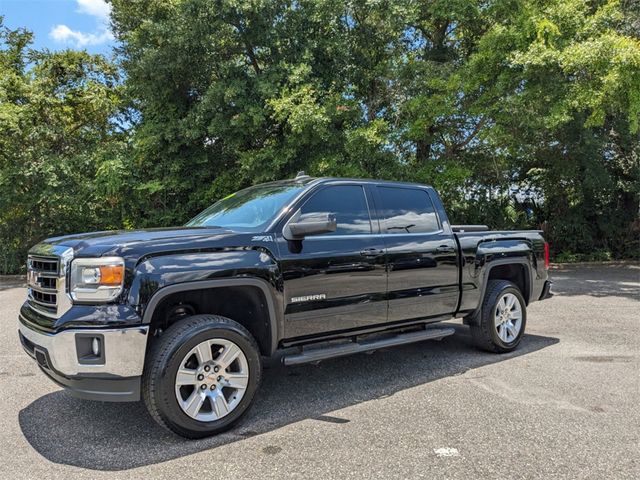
<point x="303" y="179"/>
<point x="370" y="180"/>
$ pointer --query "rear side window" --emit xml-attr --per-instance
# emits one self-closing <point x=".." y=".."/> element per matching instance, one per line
<point x="349" y="205"/>
<point x="407" y="210"/>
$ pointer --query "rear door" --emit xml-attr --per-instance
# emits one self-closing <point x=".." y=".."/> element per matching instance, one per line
<point x="422" y="259"/>
<point x="335" y="281"/>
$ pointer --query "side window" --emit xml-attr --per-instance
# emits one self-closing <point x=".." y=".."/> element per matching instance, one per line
<point x="407" y="210"/>
<point x="349" y="205"/>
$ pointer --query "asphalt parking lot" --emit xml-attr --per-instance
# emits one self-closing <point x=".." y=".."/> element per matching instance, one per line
<point x="565" y="405"/>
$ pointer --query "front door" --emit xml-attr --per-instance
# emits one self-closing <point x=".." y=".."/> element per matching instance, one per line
<point x="335" y="281"/>
<point x="421" y="256"/>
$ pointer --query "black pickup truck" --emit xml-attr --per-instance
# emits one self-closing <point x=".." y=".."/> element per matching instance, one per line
<point x="305" y="269"/>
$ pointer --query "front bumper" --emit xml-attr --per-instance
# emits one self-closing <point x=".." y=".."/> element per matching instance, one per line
<point x="113" y="376"/>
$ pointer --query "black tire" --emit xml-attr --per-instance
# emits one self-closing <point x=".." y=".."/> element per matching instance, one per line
<point x="483" y="331"/>
<point x="163" y="360"/>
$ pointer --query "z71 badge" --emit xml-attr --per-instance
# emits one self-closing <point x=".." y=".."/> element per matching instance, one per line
<point x="262" y="238"/>
<point x="308" y="298"/>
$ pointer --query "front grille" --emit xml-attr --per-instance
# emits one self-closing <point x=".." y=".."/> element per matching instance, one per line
<point x="45" y="281"/>
<point x="49" y="265"/>
<point x="49" y="283"/>
<point x="44" y="298"/>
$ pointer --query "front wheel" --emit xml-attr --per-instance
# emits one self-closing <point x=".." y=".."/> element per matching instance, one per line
<point x="201" y="375"/>
<point x="503" y="318"/>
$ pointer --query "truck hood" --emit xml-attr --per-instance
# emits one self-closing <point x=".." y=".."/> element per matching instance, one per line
<point x="136" y="243"/>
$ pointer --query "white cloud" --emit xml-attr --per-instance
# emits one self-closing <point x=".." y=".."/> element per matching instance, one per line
<point x="95" y="8"/>
<point x="62" y="33"/>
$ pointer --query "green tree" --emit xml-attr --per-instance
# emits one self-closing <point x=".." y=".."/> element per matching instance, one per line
<point x="567" y="121"/>
<point x="57" y="126"/>
<point x="523" y="113"/>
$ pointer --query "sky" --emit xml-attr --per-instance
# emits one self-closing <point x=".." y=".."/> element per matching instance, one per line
<point x="61" y="24"/>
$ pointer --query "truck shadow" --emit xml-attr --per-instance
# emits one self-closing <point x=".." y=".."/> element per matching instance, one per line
<point x="115" y="437"/>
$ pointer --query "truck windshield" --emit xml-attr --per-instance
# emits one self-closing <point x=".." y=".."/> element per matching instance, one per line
<point x="250" y="209"/>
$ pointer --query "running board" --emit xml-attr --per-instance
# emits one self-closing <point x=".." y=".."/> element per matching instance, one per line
<point x="333" y="351"/>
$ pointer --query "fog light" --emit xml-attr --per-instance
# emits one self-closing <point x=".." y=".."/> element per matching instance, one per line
<point x="90" y="349"/>
<point x="95" y="347"/>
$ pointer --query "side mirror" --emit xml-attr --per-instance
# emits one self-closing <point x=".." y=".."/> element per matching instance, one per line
<point x="304" y="225"/>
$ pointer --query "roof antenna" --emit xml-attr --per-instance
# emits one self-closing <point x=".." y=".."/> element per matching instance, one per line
<point x="301" y="175"/>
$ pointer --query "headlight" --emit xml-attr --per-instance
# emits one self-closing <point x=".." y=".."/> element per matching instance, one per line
<point x="96" y="279"/>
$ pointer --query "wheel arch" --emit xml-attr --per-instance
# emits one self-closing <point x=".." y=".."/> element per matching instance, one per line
<point x="505" y="269"/>
<point x="518" y="272"/>
<point x="168" y="296"/>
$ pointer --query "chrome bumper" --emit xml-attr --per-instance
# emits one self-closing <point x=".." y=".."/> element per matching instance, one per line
<point x="124" y="351"/>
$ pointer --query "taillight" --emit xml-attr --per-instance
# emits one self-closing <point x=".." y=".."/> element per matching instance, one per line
<point x="546" y="255"/>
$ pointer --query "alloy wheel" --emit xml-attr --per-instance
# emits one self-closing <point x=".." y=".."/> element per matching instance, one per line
<point x="508" y="317"/>
<point x="212" y="379"/>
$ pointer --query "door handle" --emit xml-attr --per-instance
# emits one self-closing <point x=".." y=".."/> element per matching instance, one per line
<point x="371" y="252"/>
<point x="445" y="249"/>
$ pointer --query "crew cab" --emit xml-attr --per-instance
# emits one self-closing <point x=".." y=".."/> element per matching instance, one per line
<point x="304" y="269"/>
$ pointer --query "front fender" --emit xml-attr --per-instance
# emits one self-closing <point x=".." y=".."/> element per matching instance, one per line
<point x="155" y="273"/>
<point x="156" y="277"/>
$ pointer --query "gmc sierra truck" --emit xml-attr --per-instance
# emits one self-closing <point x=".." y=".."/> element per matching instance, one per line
<point x="306" y="269"/>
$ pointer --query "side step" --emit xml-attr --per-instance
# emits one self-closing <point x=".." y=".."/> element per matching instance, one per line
<point x="341" y="350"/>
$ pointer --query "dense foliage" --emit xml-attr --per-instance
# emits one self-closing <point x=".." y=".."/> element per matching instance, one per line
<point x="523" y="113"/>
<point x="57" y="127"/>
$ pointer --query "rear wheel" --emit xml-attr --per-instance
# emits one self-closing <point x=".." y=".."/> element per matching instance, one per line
<point x="502" y="319"/>
<point x="201" y="375"/>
